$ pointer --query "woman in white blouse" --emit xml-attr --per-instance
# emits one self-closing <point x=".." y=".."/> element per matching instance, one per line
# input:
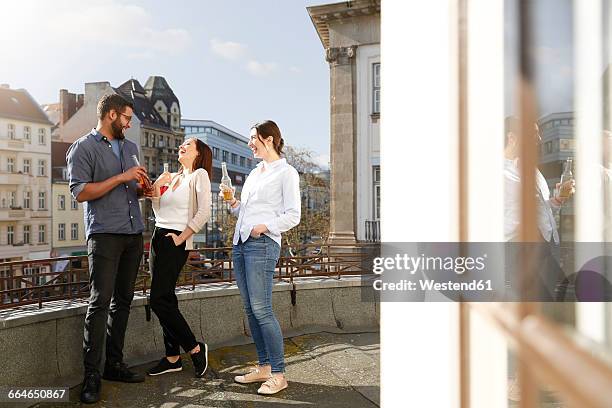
<point x="180" y="211"/>
<point x="270" y="205"/>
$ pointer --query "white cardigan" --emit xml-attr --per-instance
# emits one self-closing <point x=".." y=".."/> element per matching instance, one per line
<point x="200" y="201"/>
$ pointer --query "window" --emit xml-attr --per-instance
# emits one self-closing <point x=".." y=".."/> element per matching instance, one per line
<point x="65" y="174"/>
<point x="74" y="231"/>
<point x="376" y="180"/>
<point x="249" y="163"/>
<point x="548" y="147"/>
<point x="147" y="163"/>
<point x="26" y="199"/>
<point x="10" y="165"/>
<point x="74" y="205"/>
<point x="61" y="232"/>
<point x="146" y="139"/>
<point x="234" y="158"/>
<point x="225" y="156"/>
<point x="26" y="166"/>
<point x="566" y="145"/>
<point x="10" y="235"/>
<point x="177" y="143"/>
<point x="11" y="131"/>
<point x="42" y="164"/>
<point x="26" y="234"/>
<point x="42" y="135"/>
<point x="216" y="153"/>
<point x="41" y="234"/>
<point x="376" y="88"/>
<point x="242" y="159"/>
<point x="27" y="131"/>
<point x="42" y="200"/>
<point x="12" y="199"/>
<point x="61" y="202"/>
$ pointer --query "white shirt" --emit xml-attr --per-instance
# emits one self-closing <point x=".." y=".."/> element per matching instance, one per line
<point x="512" y="204"/>
<point x="174" y="207"/>
<point x="270" y="196"/>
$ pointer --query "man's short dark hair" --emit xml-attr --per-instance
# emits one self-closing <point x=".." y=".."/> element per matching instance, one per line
<point x="112" y="102"/>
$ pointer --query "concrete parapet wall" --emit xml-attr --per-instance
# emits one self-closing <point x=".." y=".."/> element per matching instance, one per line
<point x="44" y="347"/>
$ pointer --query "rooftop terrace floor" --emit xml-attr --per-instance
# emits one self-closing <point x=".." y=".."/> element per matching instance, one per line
<point x="323" y="369"/>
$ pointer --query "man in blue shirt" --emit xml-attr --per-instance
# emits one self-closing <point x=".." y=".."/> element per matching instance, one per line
<point x="103" y="176"/>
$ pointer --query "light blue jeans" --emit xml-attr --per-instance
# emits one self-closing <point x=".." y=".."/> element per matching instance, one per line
<point x="254" y="263"/>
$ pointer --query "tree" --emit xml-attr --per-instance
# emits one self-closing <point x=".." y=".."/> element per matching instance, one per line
<point x="314" y="188"/>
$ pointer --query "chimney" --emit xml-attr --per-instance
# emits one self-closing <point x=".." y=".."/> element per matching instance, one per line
<point x="68" y="106"/>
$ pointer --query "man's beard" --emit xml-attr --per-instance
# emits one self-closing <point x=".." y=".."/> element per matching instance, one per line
<point x="117" y="129"/>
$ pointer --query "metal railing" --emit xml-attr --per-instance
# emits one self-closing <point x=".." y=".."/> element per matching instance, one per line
<point x="44" y="280"/>
<point x="372" y="231"/>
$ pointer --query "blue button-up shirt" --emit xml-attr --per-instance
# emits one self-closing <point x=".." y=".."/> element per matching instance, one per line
<point x="91" y="160"/>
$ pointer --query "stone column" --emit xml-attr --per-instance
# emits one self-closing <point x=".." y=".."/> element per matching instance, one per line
<point x="342" y="207"/>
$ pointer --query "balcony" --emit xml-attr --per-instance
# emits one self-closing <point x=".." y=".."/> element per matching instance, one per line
<point x="15" y="179"/>
<point x="329" y="314"/>
<point x="12" y="144"/>
<point x="15" y="214"/>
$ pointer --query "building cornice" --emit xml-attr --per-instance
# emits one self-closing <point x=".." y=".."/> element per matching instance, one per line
<point x="322" y="15"/>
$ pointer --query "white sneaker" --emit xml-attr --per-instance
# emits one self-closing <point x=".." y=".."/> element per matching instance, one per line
<point x="255" y="374"/>
<point x="274" y="384"/>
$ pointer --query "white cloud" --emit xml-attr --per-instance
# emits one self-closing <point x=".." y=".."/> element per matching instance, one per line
<point x="261" y="68"/>
<point x="55" y="27"/>
<point x="295" y="70"/>
<point x="230" y="50"/>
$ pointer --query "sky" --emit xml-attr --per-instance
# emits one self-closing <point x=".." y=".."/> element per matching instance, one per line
<point x="235" y="62"/>
<point x="552" y="51"/>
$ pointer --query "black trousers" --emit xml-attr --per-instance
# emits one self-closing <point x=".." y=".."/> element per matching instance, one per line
<point x="166" y="262"/>
<point x="114" y="260"/>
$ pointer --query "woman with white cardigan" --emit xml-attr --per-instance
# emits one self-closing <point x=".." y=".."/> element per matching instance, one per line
<point x="180" y="211"/>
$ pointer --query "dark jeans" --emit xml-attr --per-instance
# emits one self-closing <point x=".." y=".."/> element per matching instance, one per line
<point x="166" y="261"/>
<point x="113" y="265"/>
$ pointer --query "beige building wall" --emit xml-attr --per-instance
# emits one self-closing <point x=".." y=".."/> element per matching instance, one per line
<point x="68" y="213"/>
<point x="25" y="189"/>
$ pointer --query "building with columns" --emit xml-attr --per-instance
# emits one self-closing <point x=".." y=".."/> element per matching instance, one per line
<point x="350" y="35"/>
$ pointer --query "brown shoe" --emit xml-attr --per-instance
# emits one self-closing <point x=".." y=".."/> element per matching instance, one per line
<point x="256" y="374"/>
<point x="275" y="383"/>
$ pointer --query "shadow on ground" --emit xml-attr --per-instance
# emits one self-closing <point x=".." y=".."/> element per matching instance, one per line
<point x="323" y="369"/>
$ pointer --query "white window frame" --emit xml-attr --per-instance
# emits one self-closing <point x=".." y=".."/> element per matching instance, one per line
<point x="10" y="131"/>
<point x="376" y="88"/>
<point x="27" y="166"/>
<point x="42" y="200"/>
<point x="26" y="234"/>
<point x="74" y="231"/>
<point x="42" y="164"/>
<point x="10" y="164"/>
<point x="27" y="133"/>
<point x="61" y="202"/>
<point x="74" y="204"/>
<point x="42" y="136"/>
<point x="10" y="235"/>
<point x="27" y="197"/>
<point x="42" y="237"/>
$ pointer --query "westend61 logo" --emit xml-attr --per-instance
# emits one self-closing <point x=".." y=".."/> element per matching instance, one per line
<point x="412" y="264"/>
